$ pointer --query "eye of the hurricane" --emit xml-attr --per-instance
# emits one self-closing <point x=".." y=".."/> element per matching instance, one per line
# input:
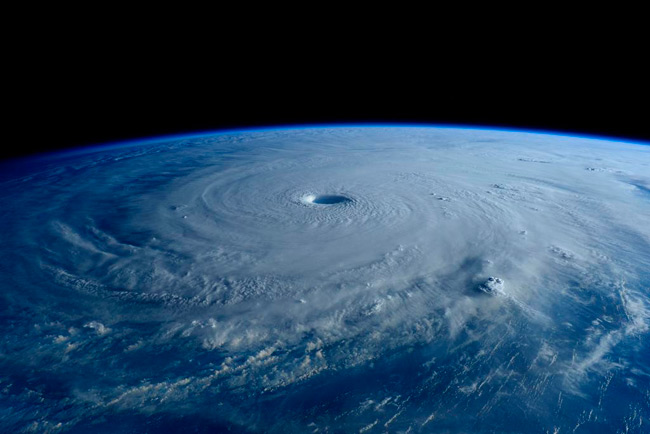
<point x="326" y="199"/>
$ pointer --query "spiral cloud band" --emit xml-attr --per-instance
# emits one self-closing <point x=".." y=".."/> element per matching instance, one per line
<point x="359" y="279"/>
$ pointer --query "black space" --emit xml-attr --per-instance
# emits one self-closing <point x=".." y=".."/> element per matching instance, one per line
<point x="100" y="94"/>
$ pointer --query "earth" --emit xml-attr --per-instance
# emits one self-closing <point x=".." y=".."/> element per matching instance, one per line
<point x="326" y="280"/>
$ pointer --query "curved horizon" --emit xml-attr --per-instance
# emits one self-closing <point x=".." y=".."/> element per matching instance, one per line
<point x="102" y="146"/>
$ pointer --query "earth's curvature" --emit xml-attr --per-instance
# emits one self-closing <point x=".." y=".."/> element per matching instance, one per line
<point x="344" y="279"/>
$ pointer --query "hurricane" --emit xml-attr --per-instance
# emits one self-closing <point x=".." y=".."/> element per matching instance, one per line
<point x="404" y="279"/>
